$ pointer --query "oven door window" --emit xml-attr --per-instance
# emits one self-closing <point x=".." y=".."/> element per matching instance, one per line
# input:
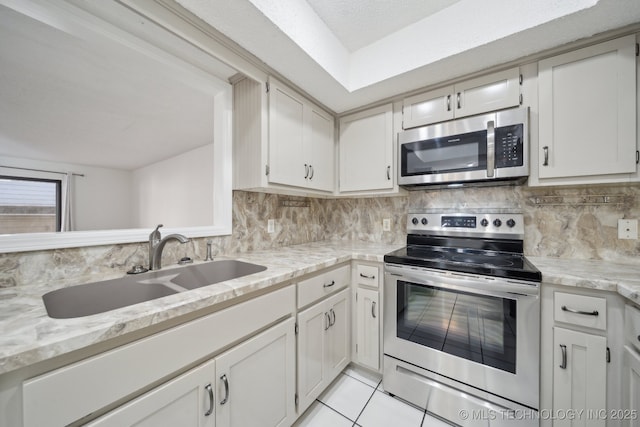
<point x="458" y="153"/>
<point x="475" y="327"/>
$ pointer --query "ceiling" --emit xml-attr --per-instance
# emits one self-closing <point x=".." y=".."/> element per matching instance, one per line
<point x="82" y="94"/>
<point x="349" y="53"/>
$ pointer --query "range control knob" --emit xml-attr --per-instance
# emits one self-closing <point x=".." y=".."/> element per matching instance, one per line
<point x="484" y="222"/>
<point x="415" y="221"/>
<point x="424" y="221"/>
<point x="497" y="222"/>
<point x="511" y="223"/>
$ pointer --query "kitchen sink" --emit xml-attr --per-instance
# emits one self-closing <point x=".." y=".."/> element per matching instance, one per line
<point x="98" y="297"/>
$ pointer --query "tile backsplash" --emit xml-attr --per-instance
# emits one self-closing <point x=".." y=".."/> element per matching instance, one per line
<point x="572" y="222"/>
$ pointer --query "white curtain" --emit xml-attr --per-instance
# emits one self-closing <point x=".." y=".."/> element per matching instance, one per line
<point x="67" y="203"/>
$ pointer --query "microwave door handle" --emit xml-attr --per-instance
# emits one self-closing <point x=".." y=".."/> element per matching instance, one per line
<point x="491" y="148"/>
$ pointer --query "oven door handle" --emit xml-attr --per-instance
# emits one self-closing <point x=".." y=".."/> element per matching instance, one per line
<point x="460" y="282"/>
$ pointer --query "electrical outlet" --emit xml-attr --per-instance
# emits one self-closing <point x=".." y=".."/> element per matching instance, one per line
<point x="628" y="229"/>
<point x="386" y="224"/>
<point x="271" y="226"/>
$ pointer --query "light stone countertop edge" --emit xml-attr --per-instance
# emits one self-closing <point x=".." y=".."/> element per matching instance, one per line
<point x="30" y="336"/>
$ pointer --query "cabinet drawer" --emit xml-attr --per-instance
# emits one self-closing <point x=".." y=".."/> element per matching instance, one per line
<point x="632" y="326"/>
<point x="368" y="275"/>
<point x="581" y="310"/>
<point x="316" y="287"/>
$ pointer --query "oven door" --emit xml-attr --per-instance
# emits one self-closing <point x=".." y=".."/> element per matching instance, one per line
<point x="481" y="333"/>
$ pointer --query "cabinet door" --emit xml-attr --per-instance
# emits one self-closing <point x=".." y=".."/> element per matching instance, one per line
<point x="588" y="111"/>
<point x="286" y="133"/>
<point x="368" y="328"/>
<point x="366" y="150"/>
<point x="256" y="380"/>
<point x="579" y="374"/>
<point x="631" y="389"/>
<point x="487" y="93"/>
<point x="320" y="151"/>
<point x="338" y="343"/>
<point x="429" y="107"/>
<point x="312" y="372"/>
<point x="184" y="401"/>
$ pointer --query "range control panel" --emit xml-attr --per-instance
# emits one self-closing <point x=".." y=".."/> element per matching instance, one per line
<point x="483" y="224"/>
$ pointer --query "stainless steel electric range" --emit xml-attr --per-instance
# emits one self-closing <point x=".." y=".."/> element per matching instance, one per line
<point x="462" y="319"/>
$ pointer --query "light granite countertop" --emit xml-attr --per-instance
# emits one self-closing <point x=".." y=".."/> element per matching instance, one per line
<point x="29" y="336"/>
<point x="593" y="274"/>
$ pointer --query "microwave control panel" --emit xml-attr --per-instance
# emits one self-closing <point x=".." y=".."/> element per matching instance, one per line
<point x="509" y="146"/>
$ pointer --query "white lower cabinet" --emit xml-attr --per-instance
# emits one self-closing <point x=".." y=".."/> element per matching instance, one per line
<point x="579" y="376"/>
<point x="323" y="345"/>
<point x="367" y="318"/>
<point x="256" y="380"/>
<point x="631" y="387"/>
<point x="368" y="328"/>
<point x="183" y="401"/>
<point x="581" y="357"/>
<point x="250" y="384"/>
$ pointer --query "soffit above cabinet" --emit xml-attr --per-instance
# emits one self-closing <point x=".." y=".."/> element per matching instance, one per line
<point x="349" y="53"/>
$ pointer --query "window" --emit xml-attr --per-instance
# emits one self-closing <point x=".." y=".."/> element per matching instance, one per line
<point x="29" y="205"/>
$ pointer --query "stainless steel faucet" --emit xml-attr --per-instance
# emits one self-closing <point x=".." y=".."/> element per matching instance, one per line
<point x="156" y="246"/>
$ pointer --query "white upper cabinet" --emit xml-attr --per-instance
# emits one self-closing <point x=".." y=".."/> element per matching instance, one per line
<point x="587" y="115"/>
<point x="286" y="137"/>
<point x="366" y="151"/>
<point x="321" y="151"/>
<point x="282" y="141"/>
<point x="486" y="93"/>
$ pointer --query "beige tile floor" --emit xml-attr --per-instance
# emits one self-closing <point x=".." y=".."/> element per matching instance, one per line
<point x="356" y="398"/>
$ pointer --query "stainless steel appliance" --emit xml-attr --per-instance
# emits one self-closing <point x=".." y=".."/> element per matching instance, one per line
<point x="462" y="319"/>
<point x="489" y="148"/>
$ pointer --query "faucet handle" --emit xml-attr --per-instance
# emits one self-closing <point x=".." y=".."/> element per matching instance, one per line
<point x="209" y="257"/>
<point x="155" y="235"/>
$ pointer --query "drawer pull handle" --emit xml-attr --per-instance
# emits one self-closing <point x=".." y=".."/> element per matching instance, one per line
<point x="328" y="285"/>
<point x="563" y="348"/>
<point x="210" y="392"/>
<point x="586" y="313"/>
<point x="226" y="389"/>
<point x="367" y="277"/>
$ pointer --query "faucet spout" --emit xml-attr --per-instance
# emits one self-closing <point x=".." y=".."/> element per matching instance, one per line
<point x="155" y="251"/>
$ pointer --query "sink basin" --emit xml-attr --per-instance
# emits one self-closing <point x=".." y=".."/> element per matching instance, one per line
<point x="98" y="297"/>
<point x="198" y="275"/>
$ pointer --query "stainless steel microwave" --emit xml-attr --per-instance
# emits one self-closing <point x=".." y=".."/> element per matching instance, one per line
<point x="485" y="149"/>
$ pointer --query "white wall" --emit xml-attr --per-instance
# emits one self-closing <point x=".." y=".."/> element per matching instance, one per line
<point x="177" y="192"/>
<point x="101" y="199"/>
